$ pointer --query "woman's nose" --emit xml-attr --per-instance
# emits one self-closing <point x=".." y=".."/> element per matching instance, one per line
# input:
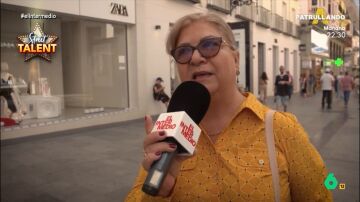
<point x="197" y="58"/>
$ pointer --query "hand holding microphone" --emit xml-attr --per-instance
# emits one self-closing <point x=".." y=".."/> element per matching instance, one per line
<point x="154" y="146"/>
<point x="174" y="137"/>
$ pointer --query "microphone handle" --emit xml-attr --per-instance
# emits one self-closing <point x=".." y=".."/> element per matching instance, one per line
<point x="158" y="171"/>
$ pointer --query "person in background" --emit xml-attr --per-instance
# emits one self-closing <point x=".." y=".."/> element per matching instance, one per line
<point x="327" y="83"/>
<point x="308" y="84"/>
<point x="263" y="87"/>
<point x="282" y="89"/>
<point x="340" y="91"/>
<point x="336" y="85"/>
<point x="303" y="85"/>
<point x="274" y="93"/>
<point x="291" y="83"/>
<point x="347" y="84"/>
<point x="356" y="83"/>
<point x="315" y="84"/>
<point x="312" y="84"/>
<point x="231" y="161"/>
<point x="159" y="92"/>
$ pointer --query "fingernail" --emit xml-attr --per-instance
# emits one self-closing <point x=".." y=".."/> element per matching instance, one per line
<point x="172" y="145"/>
<point x="145" y="118"/>
<point x="162" y="133"/>
<point x="158" y="153"/>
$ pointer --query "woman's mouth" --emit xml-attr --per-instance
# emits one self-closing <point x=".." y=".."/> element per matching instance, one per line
<point x="201" y="75"/>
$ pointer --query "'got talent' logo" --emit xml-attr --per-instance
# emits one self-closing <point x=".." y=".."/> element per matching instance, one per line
<point x="37" y="43"/>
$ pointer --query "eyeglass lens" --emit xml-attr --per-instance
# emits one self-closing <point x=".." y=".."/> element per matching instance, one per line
<point x="207" y="48"/>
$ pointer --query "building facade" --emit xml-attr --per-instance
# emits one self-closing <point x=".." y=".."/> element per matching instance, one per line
<point x="110" y="52"/>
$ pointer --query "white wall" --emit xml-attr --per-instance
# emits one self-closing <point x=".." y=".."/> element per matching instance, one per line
<point x="153" y="60"/>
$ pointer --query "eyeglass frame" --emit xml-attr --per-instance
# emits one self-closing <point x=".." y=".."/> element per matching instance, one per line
<point x="193" y="48"/>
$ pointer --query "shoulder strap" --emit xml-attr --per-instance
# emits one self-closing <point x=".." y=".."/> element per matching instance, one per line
<point x="272" y="153"/>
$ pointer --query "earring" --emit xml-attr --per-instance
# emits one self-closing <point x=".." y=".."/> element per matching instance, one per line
<point x="236" y="76"/>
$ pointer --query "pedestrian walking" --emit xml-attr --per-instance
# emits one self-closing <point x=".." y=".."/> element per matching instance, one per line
<point x="356" y="83"/>
<point x="327" y="82"/>
<point x="303" y="85"/>
<point x="274" y="93"/>
<point x="232" y="127"/>
<point x="290" y="87"/>
<point x="340" y="92"/>
<point x="336" y="85"/>
<point x="347" y="84"/>
<point x="308" y="85"/>
<point x="312" y="84"/>
<point x="263" y="86"/>
<point x="282" y="89"/>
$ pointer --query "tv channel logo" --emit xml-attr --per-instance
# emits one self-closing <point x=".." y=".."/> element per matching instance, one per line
<point x="331" y="182"/>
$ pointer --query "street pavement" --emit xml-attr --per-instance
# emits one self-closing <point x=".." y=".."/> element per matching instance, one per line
<point x="100" y="163"/>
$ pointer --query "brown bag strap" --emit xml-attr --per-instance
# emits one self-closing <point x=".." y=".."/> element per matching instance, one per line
<point x="272" y="153"/>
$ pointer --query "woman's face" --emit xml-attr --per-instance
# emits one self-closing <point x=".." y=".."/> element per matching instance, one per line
<point x="217" y="73"/>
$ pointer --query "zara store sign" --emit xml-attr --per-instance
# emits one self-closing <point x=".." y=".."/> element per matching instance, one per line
<point x="118" y="9"/>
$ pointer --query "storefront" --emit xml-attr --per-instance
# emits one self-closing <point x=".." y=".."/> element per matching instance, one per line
<point x="85" y="82"/>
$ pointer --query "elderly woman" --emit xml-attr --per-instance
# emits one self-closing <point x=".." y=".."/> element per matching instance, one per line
<point x="231" y="161"/>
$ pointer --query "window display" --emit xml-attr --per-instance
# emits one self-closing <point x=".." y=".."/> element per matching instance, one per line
<point x="88" y="71"/>
<point x="11" y="104"/>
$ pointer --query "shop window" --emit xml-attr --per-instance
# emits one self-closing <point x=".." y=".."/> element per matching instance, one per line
<point x="88" y="73"/>
<point x="97" y="51"/>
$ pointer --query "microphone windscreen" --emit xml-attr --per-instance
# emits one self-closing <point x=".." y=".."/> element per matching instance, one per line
<point x="191" y="97"/>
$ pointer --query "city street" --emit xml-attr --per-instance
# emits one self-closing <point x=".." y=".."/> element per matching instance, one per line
<point x="100" y="163"/>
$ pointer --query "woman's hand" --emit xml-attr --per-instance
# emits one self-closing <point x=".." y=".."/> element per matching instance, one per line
<point x="153" y="148"/>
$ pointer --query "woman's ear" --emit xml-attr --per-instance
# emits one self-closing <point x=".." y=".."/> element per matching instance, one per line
<point x="237" y="57"/>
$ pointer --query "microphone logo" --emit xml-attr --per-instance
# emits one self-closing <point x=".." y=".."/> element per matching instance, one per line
<point x="165" y="124"/>
<point x="188" y="132"/>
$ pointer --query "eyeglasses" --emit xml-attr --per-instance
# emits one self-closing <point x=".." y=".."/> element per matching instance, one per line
<point x="207" y="48"/>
